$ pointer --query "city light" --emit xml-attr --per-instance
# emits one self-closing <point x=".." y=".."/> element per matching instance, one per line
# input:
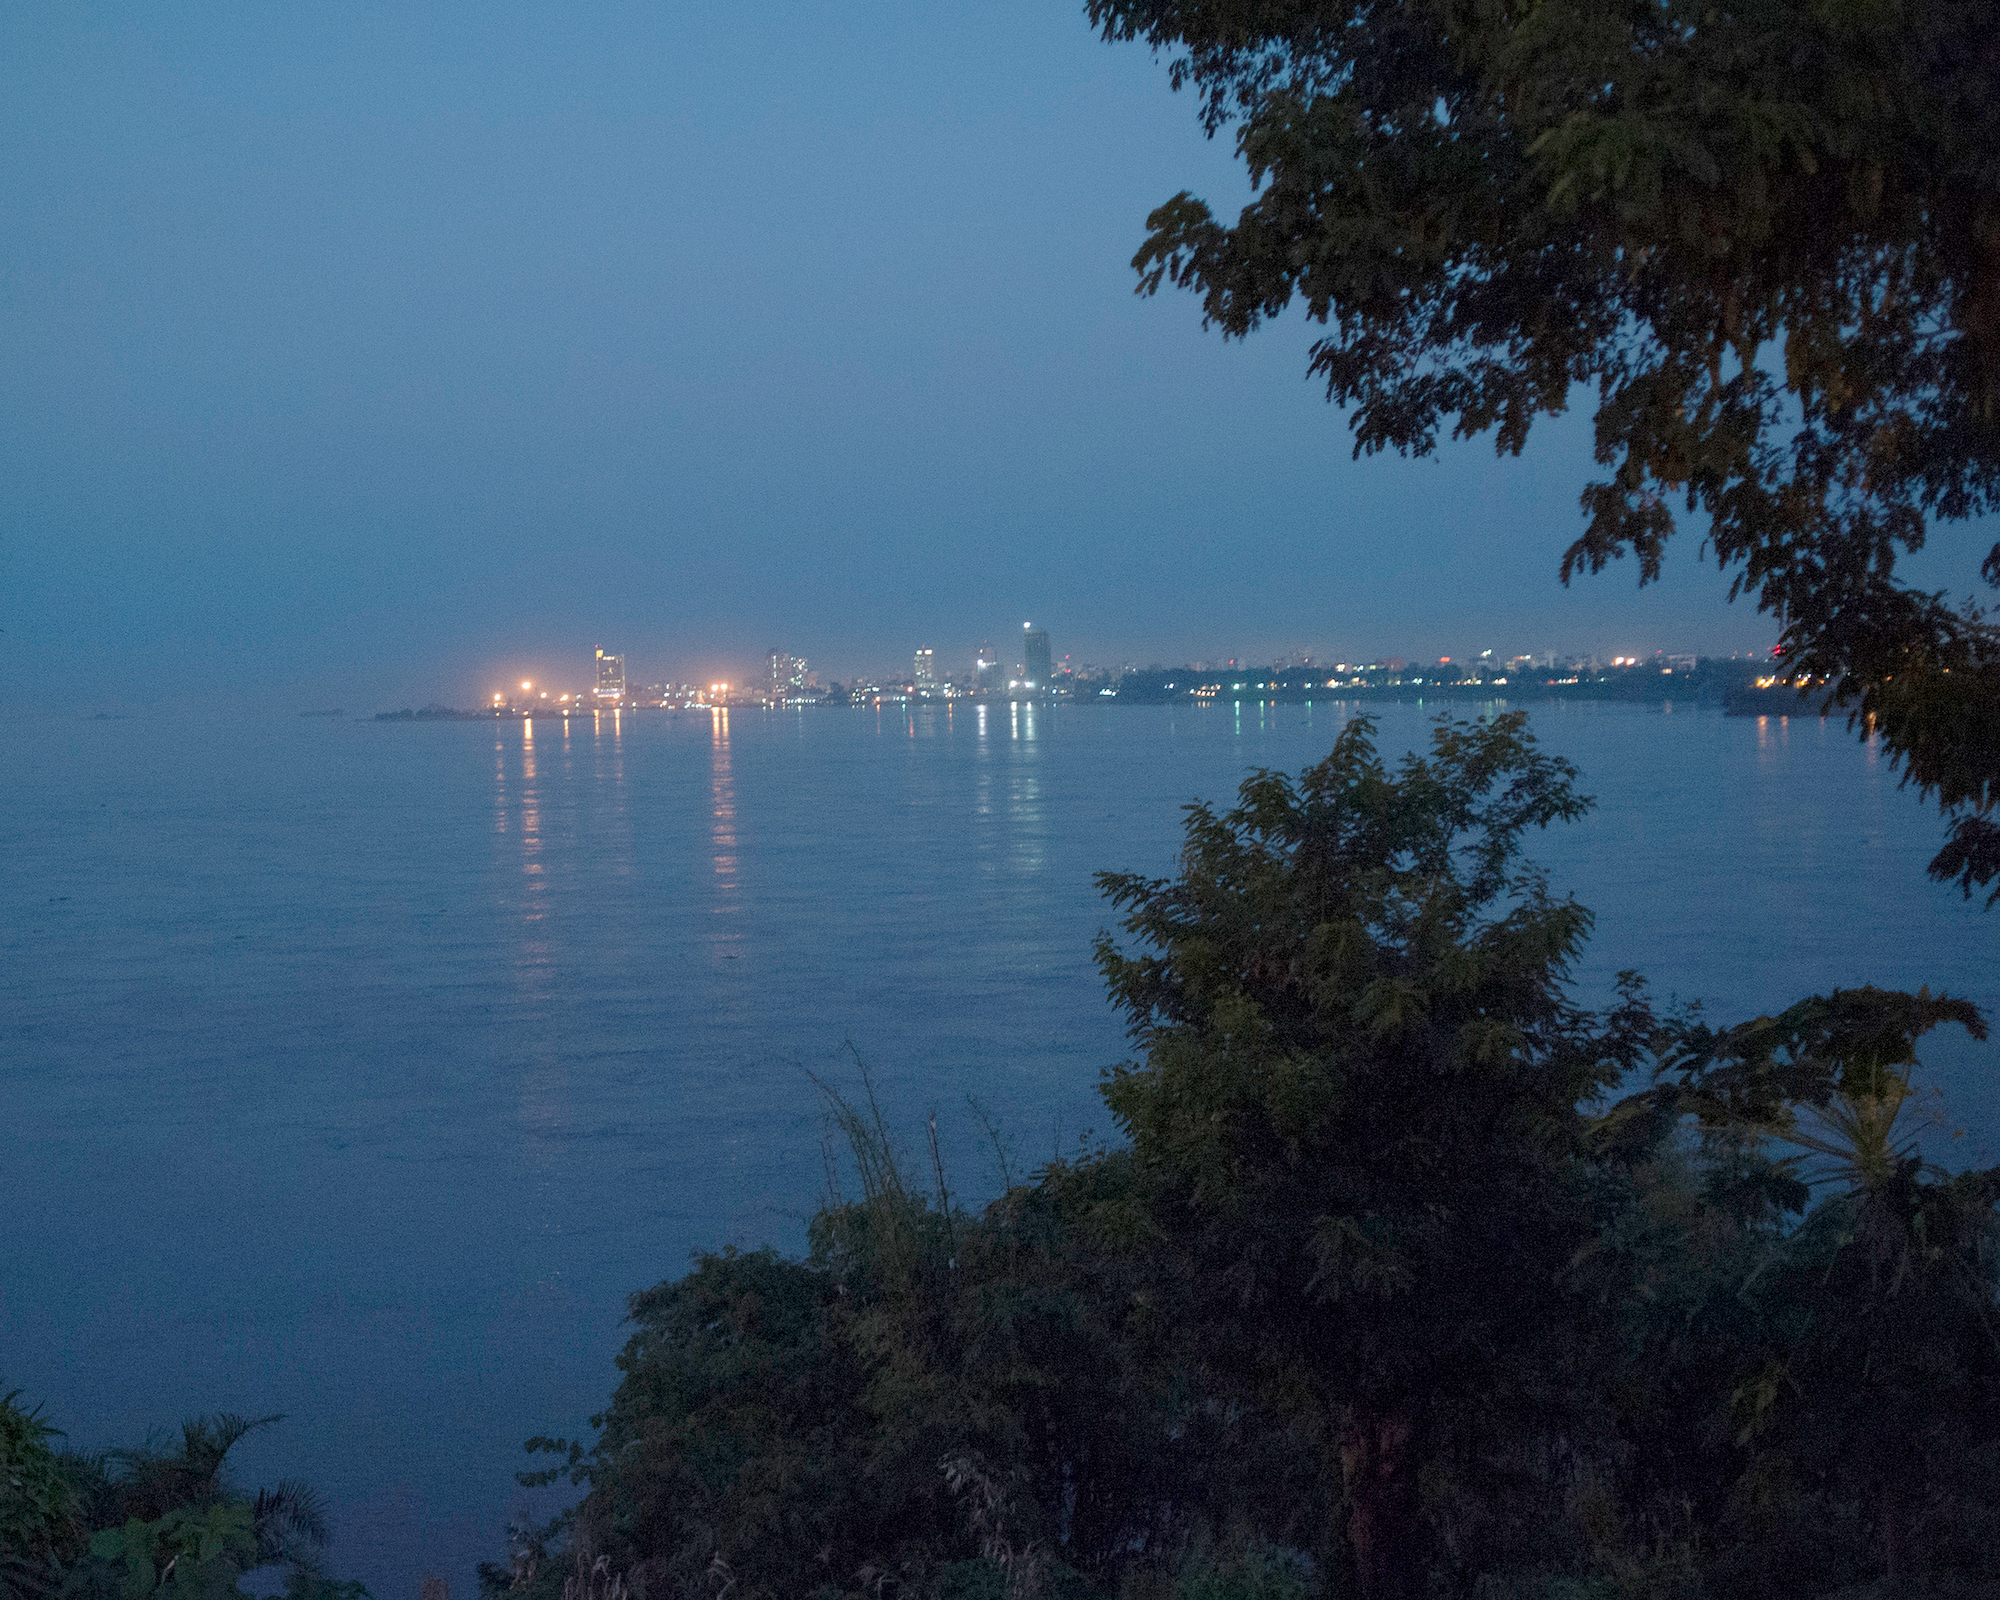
<point x="1043" y="678"/>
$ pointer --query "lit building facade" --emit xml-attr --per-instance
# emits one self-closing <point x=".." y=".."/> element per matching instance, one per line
<point x="926" y="669"/>
<point x="610" y="677"/>
<point x="787" y="673"/>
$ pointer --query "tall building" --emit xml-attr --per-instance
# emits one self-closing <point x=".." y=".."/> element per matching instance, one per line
<point x="1035" y="655"/>
<point x="787" y="672"/>
<point x="610" y="677"/>
<point x="986" y="675"/>
<point x="926" y="668"/>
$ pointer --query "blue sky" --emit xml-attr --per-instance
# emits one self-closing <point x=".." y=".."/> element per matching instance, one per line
<point x="373" y="354"/>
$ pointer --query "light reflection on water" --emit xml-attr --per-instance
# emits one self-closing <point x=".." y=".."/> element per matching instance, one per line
<point x="1027" y="822"/>
<point x="725" y="934"/>
<point x="542" y="1091"/>
<point x="466" y="1043"/>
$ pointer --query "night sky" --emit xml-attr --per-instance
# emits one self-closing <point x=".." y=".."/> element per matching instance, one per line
<point x="375" y="354"/>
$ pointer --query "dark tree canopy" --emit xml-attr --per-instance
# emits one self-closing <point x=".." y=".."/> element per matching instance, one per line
<point x="1358" y="1115"/>
<point x="1767" y="234"/>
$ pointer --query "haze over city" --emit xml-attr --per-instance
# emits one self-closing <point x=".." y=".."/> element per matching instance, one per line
<point x="399" y="351"/>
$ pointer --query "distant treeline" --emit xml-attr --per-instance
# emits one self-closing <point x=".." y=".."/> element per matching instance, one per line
<point x="1410" y="1279"/>
<point x="1710" y="682"/>
<point x="438" y="713"/>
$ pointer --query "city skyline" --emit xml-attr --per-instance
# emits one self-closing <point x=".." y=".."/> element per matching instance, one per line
<point x="835" y="661"/>
<point x="791" y="679"/>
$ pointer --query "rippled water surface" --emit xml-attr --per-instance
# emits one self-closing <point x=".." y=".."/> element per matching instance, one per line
<point x="358" y="1071"/>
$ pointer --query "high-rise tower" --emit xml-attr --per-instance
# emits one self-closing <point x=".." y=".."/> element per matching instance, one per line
<point x="926" y="668"/>
<point x="610" y="677"/>
<point x="787" y="673"/>
<point x="1035" y="656"/>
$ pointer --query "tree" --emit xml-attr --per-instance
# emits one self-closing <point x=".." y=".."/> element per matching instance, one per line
<point x="1767" y="234"/>
<point x="1879" y="1381"/>
<point x="172" y="1523"/>
<point x="1358" y="1116"/>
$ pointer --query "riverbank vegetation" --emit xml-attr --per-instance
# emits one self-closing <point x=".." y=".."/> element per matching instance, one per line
<point x="163" y="1519"/>
<point x="1411" y="1276"/>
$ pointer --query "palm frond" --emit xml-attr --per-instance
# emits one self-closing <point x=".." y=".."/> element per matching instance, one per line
<point x="288" y="1515"/>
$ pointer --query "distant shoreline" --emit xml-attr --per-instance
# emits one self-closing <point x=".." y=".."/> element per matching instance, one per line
<point x="1739" y="701"/>
<point x="1740" y="688"/>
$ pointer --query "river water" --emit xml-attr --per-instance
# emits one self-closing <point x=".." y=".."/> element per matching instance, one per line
<point x="358" y="1071"/>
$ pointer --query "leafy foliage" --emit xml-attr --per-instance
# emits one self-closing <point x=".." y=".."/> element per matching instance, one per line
<point x="1767" y="235"/>
<point x="188" y="1554"/>
<point x="40" y="1524"/>
<point x="126" y="1524"/>
<point x="932" y="1402"/>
